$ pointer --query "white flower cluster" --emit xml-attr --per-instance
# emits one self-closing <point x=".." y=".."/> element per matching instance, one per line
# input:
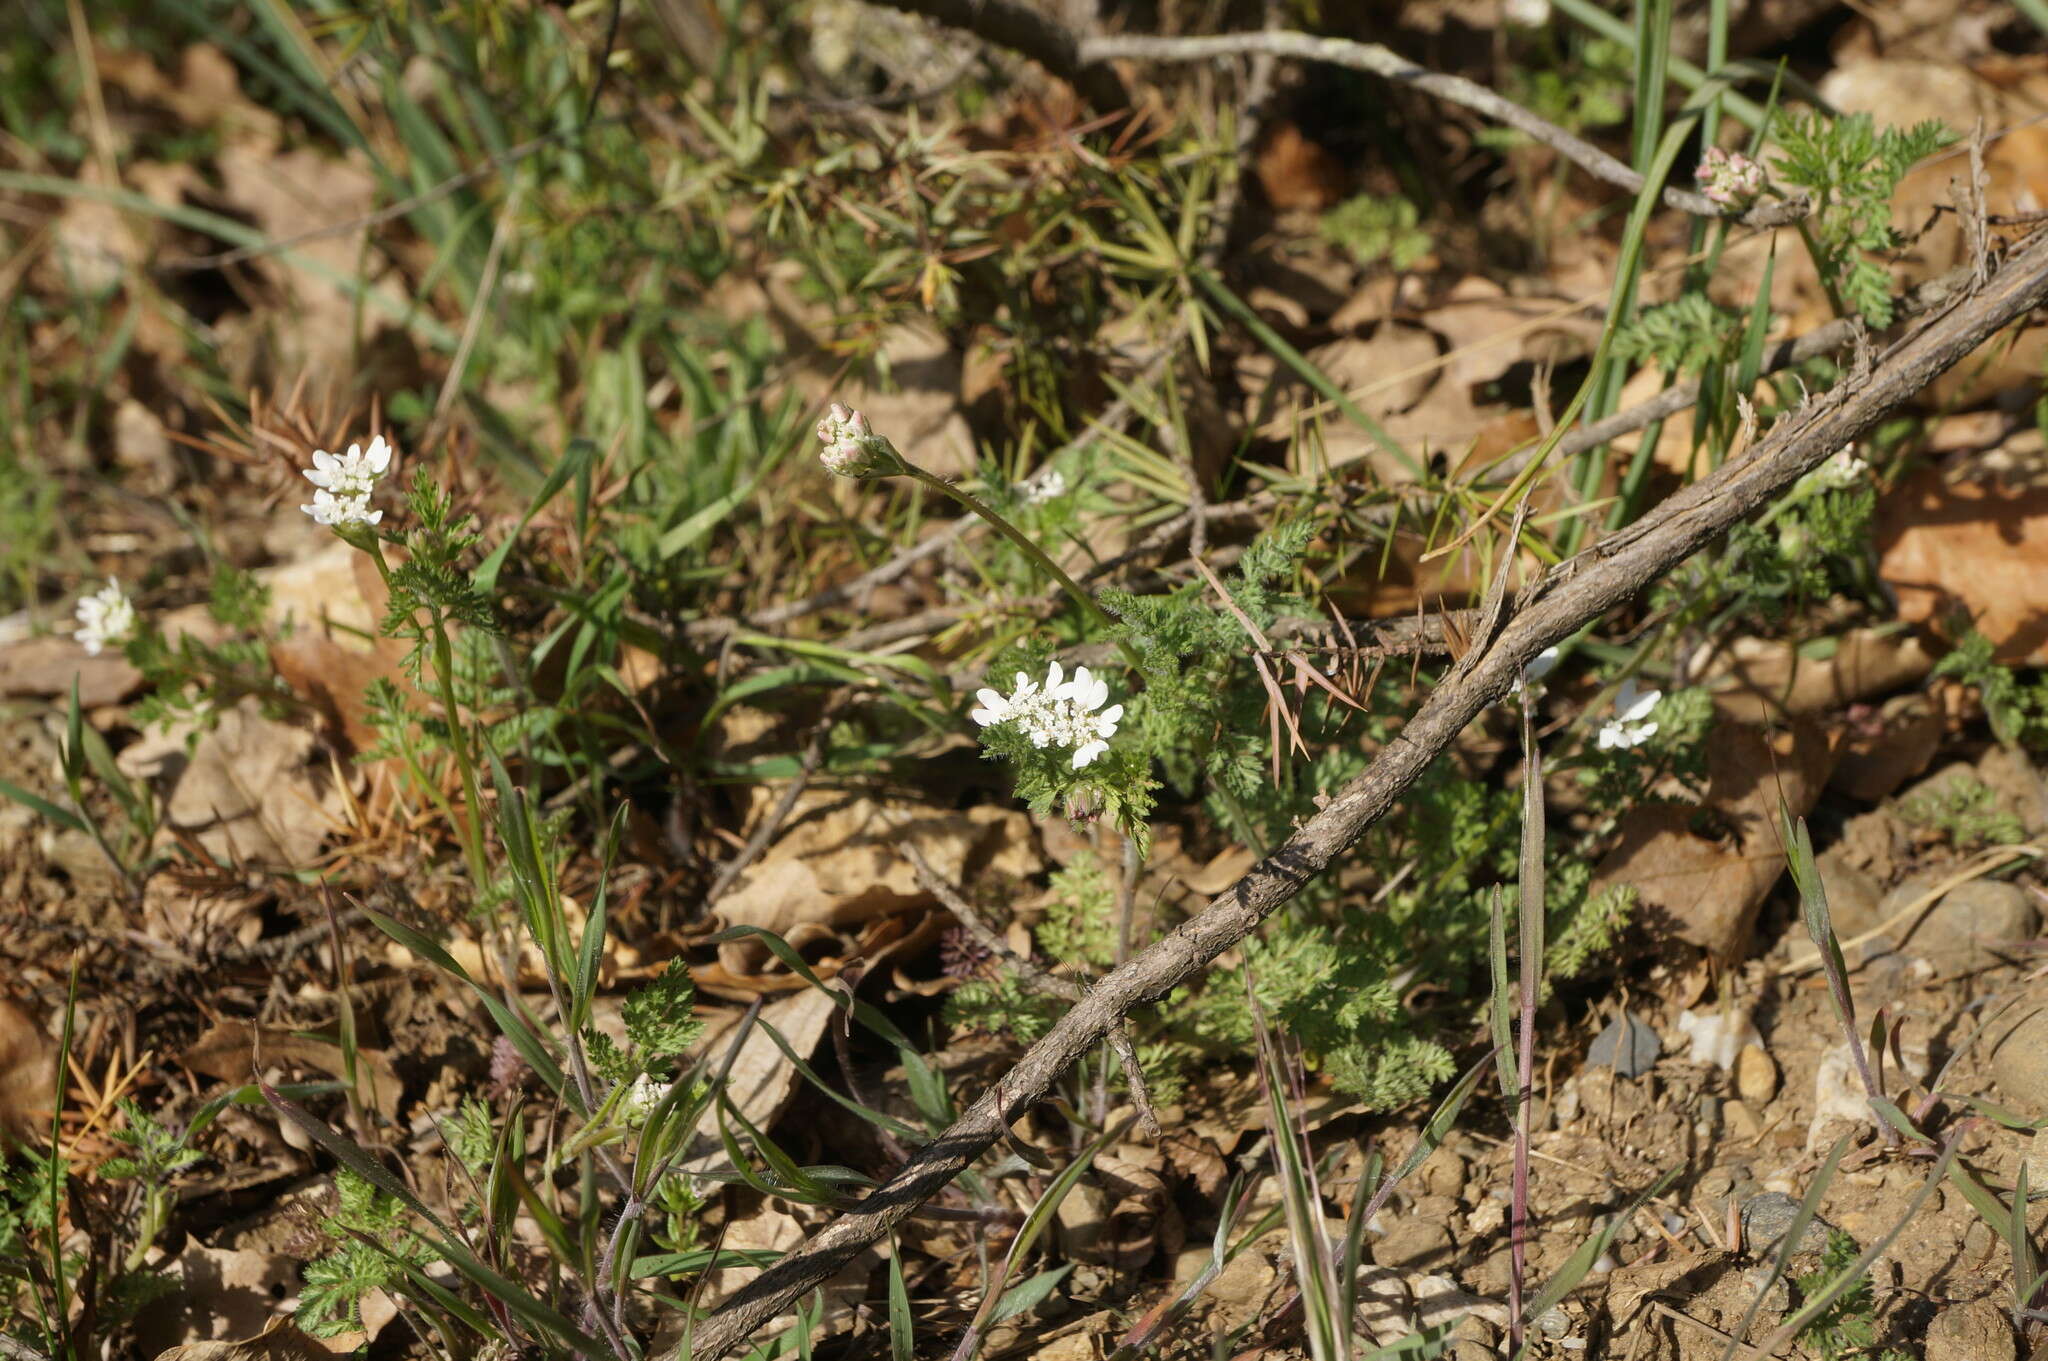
<point x="641" y="1098"/>
<point x="345" y="482"/>
<point x="1630" y="726"/>
<point x="1730" y="178"/>
<point x="1844" y="469"/>
<point x="1050" y="485"/>
<point x="1062" y="713"/>
<point x="105" y="618"/>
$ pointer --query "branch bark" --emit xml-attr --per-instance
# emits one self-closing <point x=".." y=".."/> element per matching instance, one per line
<point x="1565" y="599"/>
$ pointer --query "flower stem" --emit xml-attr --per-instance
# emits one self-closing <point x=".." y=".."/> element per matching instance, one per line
<point x="458" y="744"/>
<point x="1015" y="536"/>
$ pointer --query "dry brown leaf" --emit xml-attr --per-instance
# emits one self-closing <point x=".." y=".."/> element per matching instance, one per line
<point x="47" y="666"/>
<point x="761" y="1081"/>
<point x="255" y="790"/>
<point x="280" y="1340"/>
<point x="316" y="331"/>
<point x="1757" y="678"/>
<point x="235" y="1051"/>
<point x="1945" y="548"/>
<point x="1298" y="175"/>
<point x="28" y="1073"/>
<point x="772" y="1228"/>
<point x="1706" y="888"/>
<point x="1884" y="750"/>
<point x="836" y="865"/>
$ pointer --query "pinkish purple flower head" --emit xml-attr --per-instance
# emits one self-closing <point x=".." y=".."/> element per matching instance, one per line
<point x="1730" y="178"/>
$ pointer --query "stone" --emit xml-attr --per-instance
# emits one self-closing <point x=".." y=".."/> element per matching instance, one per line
<point x="1854" y="896"/>
<point x="1973" y="924"/>
<point x="1414" y="1242"/>
<point x="1767" y="1218"/>
<point x="2017" y="783"/>
<point x="1756" y="1077"/>
<point x="2019" y="1065"/>
<point x="1628" y="1046"/>
<point x="1245" y="1281"/>
<point x="1442" y="1173"/>
<point x="1742" y="1122"/>
<point x="1978" y="1330"/>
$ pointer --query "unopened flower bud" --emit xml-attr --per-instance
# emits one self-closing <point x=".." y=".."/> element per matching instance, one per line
<point x="1730" y="178"/>
<point x="852" y="449"/>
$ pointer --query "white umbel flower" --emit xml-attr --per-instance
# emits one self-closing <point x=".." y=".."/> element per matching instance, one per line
<point x="106" y="618"/>
<point x="1630" y="726"/>
<point x="1063" y="713"/>
<point x="1050" y="485"/>
<point x="640" y="1100"/>
<point x="345" y="482"/>
<point x="1842" y="470"/>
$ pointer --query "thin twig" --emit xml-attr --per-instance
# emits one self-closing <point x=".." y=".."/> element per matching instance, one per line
<point x="1083" y="62"/>
<point x="1580" y="590"/>
<point x="1035" y="978"/>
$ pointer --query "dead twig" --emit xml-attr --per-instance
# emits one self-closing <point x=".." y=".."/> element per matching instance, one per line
<point x="1566" y="599"/>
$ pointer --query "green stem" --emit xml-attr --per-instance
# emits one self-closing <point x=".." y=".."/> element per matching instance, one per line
<point x="1023" y="542"/>
<point x="458" y="743"/>
<point x="469" y="825"/>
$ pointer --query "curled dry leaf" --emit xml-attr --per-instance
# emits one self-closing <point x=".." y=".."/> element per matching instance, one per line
<point x="1758" y="678"/>
<point x="1706" y="888"/>
<point x="235" y="1051"/>
<point x="1968" y="549"/>
<point x="836" y="865"/>
<point x="253" y="790"/>
<point x="280" y="1340"/>
<point x="761" y="1080"/>
<point x="28" y="1073"/>
<point x="772" y="1228"/>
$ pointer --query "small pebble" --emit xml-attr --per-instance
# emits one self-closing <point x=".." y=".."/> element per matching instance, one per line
<point x="1767" y="1218"/>
<point x="1554" y="1324"/>
<point x="1756" y="1076"/>
<point x="1717" y="1037"/>
<point x="2019" y="1065"/>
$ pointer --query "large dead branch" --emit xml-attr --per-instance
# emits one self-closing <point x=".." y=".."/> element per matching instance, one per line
<point x="1559" y="604"/>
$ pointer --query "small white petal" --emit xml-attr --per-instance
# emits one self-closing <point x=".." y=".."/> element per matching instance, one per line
<point x="1088" y="752"/>
<point x="1055" y="677"/>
